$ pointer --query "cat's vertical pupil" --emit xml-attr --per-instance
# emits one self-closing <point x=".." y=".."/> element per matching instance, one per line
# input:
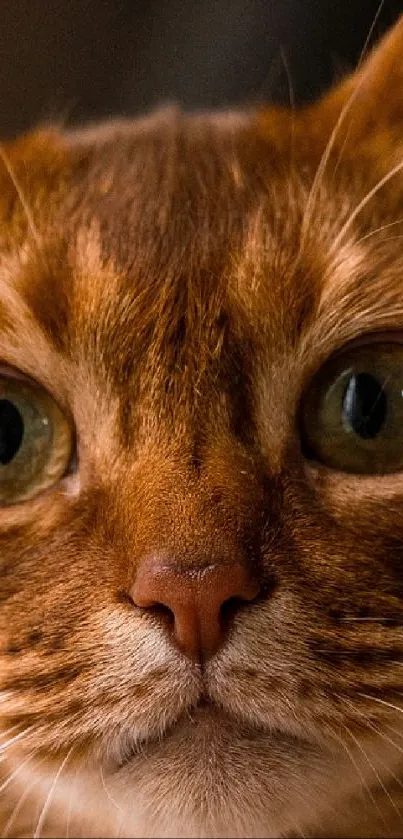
<point x="11" y="431"/>
<point x="364" y="405"/>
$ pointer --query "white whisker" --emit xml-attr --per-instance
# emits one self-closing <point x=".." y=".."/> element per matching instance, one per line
<point x="9" y="730"/>
<point x="24" y="203"/>
<point x="370" y="33"/>
<point x="382" y="702"/>
<point x="361" y="58"/>
<point x="17" y="771"/>
<point x="12" y="740"/>
<point x="375" y="619"/>
<point x="358" y="770"/>
<point x="72" y="789"/>
<point x="112" y="800"/>
<point x="395" y="730"/>
<point x="363" y="203"/>
<point x="392" y="238"/>
<point x="379" y="230"/>
<point x="318" y="178"/>
<point x="376" y="773"/>
<point x="18" y="807"/>
<point x="383" y="736"/>
<point x="45" y="808"/>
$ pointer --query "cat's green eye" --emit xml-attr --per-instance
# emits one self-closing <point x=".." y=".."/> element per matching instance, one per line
<point x="35" y="440"/>
<point x="352" y="413"/>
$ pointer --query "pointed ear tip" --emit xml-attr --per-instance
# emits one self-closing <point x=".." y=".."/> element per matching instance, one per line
<point x="382" y="72"/>
<point x="391" y="41"/>
<point x="398" y="26"/>
<point x="378" y="80"/>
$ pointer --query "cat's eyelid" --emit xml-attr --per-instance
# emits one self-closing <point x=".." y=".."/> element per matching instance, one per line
<point x="41" y="370"/>
<point x="367" y="339"/>
<point x="14" y="374"/>
<point x="8" y="371"/>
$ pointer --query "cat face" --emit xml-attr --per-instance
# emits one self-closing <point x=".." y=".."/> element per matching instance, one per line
<point x="200" y="546"/>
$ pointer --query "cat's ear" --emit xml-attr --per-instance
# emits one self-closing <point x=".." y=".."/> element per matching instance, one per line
<point x="372" y="97"/>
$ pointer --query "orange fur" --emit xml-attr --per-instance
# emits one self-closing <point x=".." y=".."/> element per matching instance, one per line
<point x="175" y="282"/>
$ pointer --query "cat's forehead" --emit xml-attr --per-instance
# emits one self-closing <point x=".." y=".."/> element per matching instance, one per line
<point x="178" y="239"/>
<point x="169" y="208"/>
<point x="185" y="189"/>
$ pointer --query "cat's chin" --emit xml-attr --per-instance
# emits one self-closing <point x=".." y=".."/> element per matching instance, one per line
<point x="210" y="774"/>
<point x="203" y="777"/>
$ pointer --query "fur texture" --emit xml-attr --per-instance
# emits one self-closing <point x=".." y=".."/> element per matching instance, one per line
<point x="175" y="282"/>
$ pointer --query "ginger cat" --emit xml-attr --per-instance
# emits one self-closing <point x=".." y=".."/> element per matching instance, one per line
<point x="201" y="471"/>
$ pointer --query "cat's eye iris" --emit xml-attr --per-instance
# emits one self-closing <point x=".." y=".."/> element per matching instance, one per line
<point x="352" y="413"/>
<point x="35" y="440"/>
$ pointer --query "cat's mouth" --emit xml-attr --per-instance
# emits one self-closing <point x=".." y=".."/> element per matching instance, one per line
<point x="204" y="714"/>
<point x="204" y="720"/>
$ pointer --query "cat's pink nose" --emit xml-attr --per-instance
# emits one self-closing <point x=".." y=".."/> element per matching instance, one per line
<point x="196" y="603"/>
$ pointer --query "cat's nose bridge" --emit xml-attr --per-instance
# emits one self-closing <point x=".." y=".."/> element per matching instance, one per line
<point x="192" y="544"/>
<point x="194" y="603"/>
<point x="182" y="495"/>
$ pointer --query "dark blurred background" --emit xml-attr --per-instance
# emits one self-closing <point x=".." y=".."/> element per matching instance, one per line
<point x="85" y="59"/>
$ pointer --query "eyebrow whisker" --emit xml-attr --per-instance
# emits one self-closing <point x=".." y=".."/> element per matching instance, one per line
<point x="23" y="200"/>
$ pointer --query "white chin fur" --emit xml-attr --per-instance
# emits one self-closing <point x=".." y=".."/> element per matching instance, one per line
<point x="205" y="779"/>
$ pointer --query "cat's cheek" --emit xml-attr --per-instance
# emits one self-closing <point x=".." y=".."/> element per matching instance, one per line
<point x="373" y="504"/>
<point x="46" y="512"/>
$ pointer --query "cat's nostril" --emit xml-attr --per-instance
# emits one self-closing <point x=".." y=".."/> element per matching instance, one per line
<point x="124" y="598"/>
<point x="195" y="603"/>
<point x="163" y="613"/>
<point x="229" y="609"/>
